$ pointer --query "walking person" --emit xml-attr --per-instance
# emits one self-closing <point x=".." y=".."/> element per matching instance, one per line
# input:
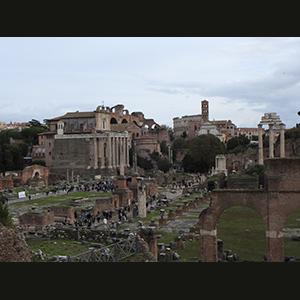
<point x="105" y="222"/>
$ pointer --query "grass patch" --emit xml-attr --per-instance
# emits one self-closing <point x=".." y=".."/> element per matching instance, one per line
<point x="232" y="231"/>
<point x="292" y="248"/>
<point x="50" y="200"/>
<point x="191" y="250"/>
<point x="62" y="247"/>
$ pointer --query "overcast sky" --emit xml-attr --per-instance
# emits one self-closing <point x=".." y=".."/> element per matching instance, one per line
<point x="242" y="78"/>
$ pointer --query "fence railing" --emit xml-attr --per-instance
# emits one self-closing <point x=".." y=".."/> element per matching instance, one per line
<point x="112" y="253"/>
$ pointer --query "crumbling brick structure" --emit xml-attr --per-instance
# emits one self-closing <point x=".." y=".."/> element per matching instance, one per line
<point x="274" y="204"/>
<point x="107" y="203"/>
<point x="40" y="219"/>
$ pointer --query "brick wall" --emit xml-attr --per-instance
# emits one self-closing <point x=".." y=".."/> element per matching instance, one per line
<point x="282" y="174"/>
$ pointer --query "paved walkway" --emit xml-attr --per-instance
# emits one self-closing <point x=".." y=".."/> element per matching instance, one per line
<point x="181" y="223"/>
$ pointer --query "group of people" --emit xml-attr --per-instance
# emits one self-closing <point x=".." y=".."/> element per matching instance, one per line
<point x="90" y="220"/>
<point x="101" y="186"/>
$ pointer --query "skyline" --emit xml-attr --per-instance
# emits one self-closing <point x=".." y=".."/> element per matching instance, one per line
<point x="164" y="77"/>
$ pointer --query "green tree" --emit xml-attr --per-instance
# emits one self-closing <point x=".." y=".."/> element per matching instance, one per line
<point x="8" y="160"/>
<point x="144" y="163"/>
<point x="292" y="134"/>
<point x="18" y="159"/>
<point x="30" y="135"/>
<point x="164" y="165"/>
<point x="164" y="147"/>
<point x="5" y="217"/>
<point x="202" y="152"/>
<point x="238" y="144"/>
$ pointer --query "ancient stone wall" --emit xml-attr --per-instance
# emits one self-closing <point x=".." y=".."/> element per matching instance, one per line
<point x="33" y="218"/>
<point x="64" y="211"/>
<point x="107" y="203"/>
<point x="283" y="175"/>
<point x="71" y="153"/>
<point x="280" y="198"/>
<point x="37" y="172"/>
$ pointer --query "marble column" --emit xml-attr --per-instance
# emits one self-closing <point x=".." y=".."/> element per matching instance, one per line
<point x="95" y="154"/>
<point x="260" y="146"/>
<point x="271" y="141"/>
<point x="122" y="157"/>
<point x="102" y="154"/>
<point x="134" y="157"/>
<point x="141" y="195"/>
<point x="126" y="149"/>
<point x="282" y="140"/>
<point x="109" y="151"/>
<point x="113" y="152"/>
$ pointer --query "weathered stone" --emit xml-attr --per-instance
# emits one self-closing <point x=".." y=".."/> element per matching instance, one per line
<point x="162" y="257"/>
<point x="176" y="256"/>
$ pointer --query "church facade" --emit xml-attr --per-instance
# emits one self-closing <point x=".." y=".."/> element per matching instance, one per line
<point x="93" y="143"/>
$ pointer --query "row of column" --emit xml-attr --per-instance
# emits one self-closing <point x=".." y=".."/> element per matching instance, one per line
<point x="271" y="142"/>
<point x="111" y="152"/>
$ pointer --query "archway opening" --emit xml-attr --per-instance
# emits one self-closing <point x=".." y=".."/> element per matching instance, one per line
<point x="242" y="231"/>
<point x="36" y="175"/>
<point x="113" y="121"/>
<point x="291" y="236"/>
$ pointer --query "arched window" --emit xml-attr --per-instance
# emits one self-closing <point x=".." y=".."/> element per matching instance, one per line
<point x="113" y="121"/>
<point x="104" y="124"/>
<point x="124" y="121"/>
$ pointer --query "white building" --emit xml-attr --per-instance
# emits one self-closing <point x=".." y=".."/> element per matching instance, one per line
<point x="210" y="128"/>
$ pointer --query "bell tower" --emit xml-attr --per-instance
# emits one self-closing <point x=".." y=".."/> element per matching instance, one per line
<point x="204" y="110"/>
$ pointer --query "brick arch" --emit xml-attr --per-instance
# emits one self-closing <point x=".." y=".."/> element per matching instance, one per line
<point x="220" y="201"/>
<point x="274" y="204"/>
<point x="293" y="200"/>
<point x="223" y="200"/>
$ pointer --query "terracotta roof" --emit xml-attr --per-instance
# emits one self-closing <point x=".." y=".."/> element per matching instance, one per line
<point x="77" y="114"/>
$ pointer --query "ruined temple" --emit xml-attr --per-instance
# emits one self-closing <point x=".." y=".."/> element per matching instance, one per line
<point x="97" y="142"/>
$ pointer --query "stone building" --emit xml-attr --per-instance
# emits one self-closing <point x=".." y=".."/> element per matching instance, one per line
<point x="191" y="124"/>
<point x="96" y="142"/>
<point x="248" y="132"/>
<point x="226" y="127"/>
<point x="210" y="128"/>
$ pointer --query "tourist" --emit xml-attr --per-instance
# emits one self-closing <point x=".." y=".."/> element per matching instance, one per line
<point x="105" y="222"/>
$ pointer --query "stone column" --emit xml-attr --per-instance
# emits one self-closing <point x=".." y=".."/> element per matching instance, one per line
<point x="109" y="151"/>
<point x="275" y="246"/>
<point x="102" y="154"/>
<point x="127" y="152"/>
<point x="113" y="152"/>
<point x="68" y="179"/>
<point x="118" y="152"/>
<point x="141" y="198"/>
<point x="134" y="157"/>
<point x="95" y="154"/>
<point x="209" y="247"/>
<point x="260" y="146"/>
<point x="271" y="141"/>
<point x="150" y="236"/>
<point x="122" y="156"/>
<point x="282" y="140"/>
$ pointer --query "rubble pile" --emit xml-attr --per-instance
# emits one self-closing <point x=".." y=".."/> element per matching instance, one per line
<point x="13" y="247"/>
